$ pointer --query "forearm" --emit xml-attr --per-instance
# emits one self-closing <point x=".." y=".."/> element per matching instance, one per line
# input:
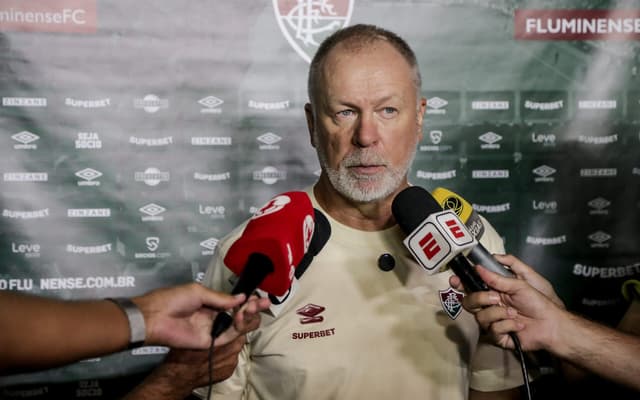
<point x="39" y="332"/>
<point x="184" y="370"/>
<point x="604" y="351"/>
<point x="161" y="384"/>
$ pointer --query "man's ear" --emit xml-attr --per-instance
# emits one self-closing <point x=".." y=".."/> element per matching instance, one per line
<point x="308" y="112"/>
<point x="422" y="109"/>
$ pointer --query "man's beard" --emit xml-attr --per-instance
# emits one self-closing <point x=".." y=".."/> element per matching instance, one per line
<point x="365" y="188"/>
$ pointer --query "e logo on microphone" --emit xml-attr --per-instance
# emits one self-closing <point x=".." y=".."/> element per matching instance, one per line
<point x="274" y="205"/>
<point x="428" y="245"/>
<point x="438" y="240"/>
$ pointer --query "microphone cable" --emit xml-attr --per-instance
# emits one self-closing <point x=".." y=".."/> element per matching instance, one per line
<point x="210" y="368"/>
<point x="523" y="364"/>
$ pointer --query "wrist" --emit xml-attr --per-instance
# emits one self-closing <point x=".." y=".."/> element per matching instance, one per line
<point x="559" y="333"/>
<point x="135" y="319"/>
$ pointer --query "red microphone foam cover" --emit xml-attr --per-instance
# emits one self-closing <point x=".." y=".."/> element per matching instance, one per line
<point x="281" y="230"/>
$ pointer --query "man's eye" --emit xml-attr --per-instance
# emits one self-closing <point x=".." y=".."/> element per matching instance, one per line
<point x="389" y="111"/>
<point x="345" y="113"/>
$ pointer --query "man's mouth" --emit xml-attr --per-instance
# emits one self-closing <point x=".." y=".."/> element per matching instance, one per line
<point x="367" y="169"/>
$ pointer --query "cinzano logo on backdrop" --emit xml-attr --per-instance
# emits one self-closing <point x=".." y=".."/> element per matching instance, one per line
<point x="598" y="172"/>
<point x="211" y="141"/>
<point x="149" y="351"/>
<point x="604" y="104"/>
<point x="25" y="176"/>
<point x="305" y="23"/>
<point x="490" y="174"/>
<point x="24" y="102"/>
<point x="491" y="105"/>
<point x="88" y="212"/>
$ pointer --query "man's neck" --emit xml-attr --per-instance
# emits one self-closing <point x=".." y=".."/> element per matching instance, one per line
<point x="366" y="216"/>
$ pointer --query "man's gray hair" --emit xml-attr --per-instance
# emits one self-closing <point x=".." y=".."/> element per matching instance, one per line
<point x="357" y="37"/>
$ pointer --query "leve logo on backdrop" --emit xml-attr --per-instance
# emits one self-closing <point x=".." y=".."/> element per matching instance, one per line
<point x="72" y="16"/>
<point x="305" y="23"/>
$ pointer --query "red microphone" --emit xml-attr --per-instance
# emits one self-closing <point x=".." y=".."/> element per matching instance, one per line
<point x="278" y="234"/>
<point x="272" y="243"/>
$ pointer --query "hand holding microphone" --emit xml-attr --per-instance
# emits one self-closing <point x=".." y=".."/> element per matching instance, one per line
<point x="527" y="305"/>
<point x="437" y="238"/>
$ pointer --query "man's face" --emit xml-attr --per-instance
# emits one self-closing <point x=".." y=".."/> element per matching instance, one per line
<point x="368" y="121"/>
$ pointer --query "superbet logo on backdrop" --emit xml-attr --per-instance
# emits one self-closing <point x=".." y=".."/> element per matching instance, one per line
<point x="438" y="240"/>
<point x="305" y="23"/>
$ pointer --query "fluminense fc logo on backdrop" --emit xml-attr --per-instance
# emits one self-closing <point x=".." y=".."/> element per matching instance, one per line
<point x="305" y="23"/>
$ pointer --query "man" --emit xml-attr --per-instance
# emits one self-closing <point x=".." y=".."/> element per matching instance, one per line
<point x="530" y="307"/>
<point x="38" y="332"/>
<point x="350" y="330"/>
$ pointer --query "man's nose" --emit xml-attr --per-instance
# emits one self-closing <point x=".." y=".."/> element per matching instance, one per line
<point x="366" y="131"/>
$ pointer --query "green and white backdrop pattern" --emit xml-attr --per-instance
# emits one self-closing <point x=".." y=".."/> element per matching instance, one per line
<point x="134" y="135"/>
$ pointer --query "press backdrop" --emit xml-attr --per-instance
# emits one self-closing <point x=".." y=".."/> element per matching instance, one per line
<point x="134" y="135"/>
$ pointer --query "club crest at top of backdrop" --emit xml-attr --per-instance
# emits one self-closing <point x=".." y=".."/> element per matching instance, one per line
<point x="305" y="23"/>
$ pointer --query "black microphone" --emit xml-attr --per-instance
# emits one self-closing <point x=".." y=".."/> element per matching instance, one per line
<point x="435" y="237"/>
<point x="321" y="233"/>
